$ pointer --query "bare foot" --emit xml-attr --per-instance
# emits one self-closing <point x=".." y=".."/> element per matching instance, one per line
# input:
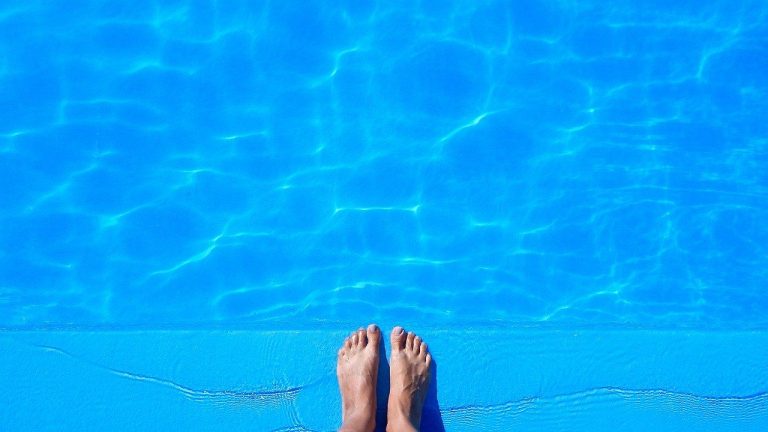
<point x="356" y="368"/>
<point x="408" y="382"/>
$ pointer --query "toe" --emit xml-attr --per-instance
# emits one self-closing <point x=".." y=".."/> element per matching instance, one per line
<point x="348" y="343"/>
<point x="409" y="341"/>
<point x="374" y="336"/>
<point x="416" y="344"/>
<point x="429" y="360"/>
<point x="362" y="339"/>
<point x="423" y="350"/>
<point x="397" y="339"/>
<point x="354" y="339"/>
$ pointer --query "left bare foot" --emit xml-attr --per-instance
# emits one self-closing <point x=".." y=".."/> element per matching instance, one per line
<point x="357" y="368"/>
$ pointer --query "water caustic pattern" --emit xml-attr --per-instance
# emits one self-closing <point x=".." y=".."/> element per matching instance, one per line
<point x="569" y="162"/>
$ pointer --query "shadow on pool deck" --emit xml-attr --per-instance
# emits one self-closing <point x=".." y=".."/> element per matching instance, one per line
<point x="431" y="419"/>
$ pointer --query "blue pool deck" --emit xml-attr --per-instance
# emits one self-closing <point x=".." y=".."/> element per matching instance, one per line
<point x="494" y="379"/>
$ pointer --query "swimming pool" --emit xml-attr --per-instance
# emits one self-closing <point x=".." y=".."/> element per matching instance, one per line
<point x="450" y="165"/>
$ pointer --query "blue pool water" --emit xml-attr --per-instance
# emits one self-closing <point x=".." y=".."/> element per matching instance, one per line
<point x="567" y="200"/>
<point x="169" y="162"/>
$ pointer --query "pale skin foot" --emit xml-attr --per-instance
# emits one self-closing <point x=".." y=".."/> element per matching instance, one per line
<point x="409" y="380"/>
<point x="357" y="369"/>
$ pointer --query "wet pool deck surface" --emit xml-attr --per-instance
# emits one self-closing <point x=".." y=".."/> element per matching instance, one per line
<point x="485" y="379"/>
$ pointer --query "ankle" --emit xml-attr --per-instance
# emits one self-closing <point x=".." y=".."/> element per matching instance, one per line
<point x="400" y="417"/>
<point x="357" y="421"/>
<point x="400" y="424"/>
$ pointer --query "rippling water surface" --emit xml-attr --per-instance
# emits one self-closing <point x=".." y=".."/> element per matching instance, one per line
<point x="472" y="161"/>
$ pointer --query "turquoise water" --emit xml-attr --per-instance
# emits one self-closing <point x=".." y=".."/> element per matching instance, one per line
<point x="180" y="162"/>
<point x="567" y="200"/>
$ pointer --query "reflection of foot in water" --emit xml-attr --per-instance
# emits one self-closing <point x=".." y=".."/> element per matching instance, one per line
<point x="408" y="382"/>
<point x="357" y="368"/>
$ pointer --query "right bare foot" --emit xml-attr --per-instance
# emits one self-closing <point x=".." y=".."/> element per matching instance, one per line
<point x="408" y="382"/>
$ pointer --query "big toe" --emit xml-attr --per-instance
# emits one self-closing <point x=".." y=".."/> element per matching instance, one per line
<point x="374" y="336"/>
<point x="397" y="339"/>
